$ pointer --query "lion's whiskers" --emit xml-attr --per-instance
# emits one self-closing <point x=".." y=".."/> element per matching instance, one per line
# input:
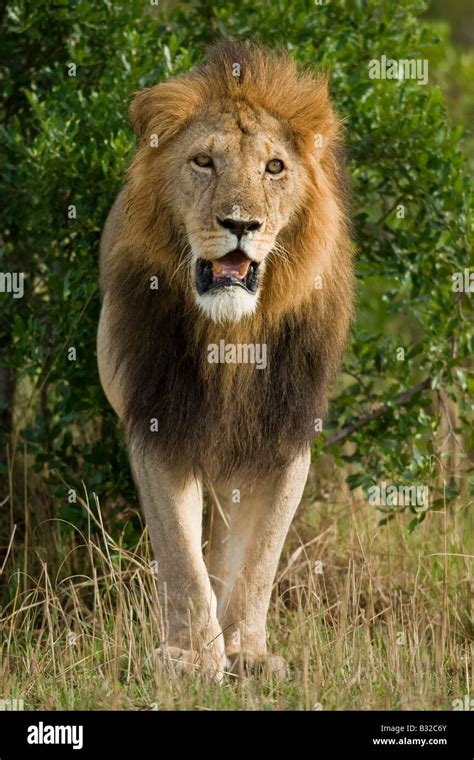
<point x="281" y="253"/>
<point x="184" y="260"/>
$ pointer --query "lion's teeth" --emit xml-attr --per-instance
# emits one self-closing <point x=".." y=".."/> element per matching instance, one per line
<point x="244" y="268"/>
<point x="228" y="266"/>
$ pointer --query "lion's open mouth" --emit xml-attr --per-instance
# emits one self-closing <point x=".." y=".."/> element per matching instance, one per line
<point x="235" y="268"/>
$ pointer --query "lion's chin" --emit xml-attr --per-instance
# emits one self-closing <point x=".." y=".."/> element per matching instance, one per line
<point x="229" y="304"/>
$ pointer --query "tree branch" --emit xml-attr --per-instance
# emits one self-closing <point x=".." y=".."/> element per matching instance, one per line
<point x="399" y="400"/>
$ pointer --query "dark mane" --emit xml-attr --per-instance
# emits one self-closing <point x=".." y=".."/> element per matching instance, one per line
<point x="221" y="419"/>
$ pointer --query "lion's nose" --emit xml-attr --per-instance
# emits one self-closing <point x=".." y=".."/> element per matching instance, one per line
<point x="240" y="227"/>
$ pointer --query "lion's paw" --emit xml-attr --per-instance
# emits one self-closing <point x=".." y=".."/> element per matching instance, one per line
<point x="270" y="665"/>
<point x="191" y="662"/>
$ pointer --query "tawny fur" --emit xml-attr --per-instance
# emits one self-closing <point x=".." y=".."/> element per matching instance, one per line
<point x="237" y="429"/>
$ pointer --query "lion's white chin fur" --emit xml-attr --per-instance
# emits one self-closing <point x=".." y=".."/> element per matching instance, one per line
<point x="227" y="304"/>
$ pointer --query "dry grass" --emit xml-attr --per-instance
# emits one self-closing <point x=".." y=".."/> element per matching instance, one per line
<point x="385" y="625"/>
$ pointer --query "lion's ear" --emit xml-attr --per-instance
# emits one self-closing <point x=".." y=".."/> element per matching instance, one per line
<point x="310" y="114"/>
<point x="165" y="108"/>
<point x="140" y="110"/>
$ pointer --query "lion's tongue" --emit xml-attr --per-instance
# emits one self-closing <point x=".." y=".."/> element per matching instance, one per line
<point x="234" y="264"/>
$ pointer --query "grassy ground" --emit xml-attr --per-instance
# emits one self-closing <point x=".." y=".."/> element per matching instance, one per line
<point x="368" y="617"/>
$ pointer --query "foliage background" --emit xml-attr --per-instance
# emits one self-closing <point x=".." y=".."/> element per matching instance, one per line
<point x="66" y="140"/>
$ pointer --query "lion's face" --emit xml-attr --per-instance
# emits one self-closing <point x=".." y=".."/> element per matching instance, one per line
<point x="239" y="181"/>
<point x="234" y="195"/>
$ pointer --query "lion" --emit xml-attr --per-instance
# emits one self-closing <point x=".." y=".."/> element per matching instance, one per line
<point x="231" y="230"/>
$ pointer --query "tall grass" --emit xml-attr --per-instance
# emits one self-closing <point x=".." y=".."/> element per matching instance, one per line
<point x="368" y="617"/>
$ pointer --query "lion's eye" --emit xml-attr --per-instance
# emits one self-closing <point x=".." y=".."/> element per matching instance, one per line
<point x="204" y="161"/>
<point x="275" y="166"/>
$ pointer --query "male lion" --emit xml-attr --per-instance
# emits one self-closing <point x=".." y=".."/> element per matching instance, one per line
<point x="230" y="231"/>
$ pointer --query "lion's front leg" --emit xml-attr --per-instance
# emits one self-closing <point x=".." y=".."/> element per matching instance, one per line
<point x="172" y="503"/>
<point x="244" y="556"/>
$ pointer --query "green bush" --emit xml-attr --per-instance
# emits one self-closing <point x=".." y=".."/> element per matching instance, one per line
<point x="66" y="142"/>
